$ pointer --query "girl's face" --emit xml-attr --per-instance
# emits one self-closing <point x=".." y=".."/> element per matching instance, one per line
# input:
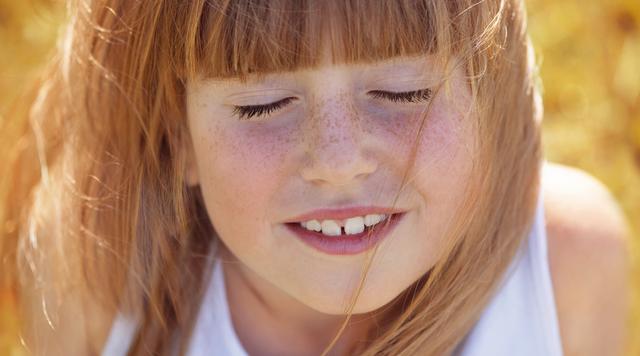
<point x="337" y="138"/>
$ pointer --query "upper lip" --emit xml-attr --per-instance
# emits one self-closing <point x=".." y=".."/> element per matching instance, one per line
<point x="343" y="213"/>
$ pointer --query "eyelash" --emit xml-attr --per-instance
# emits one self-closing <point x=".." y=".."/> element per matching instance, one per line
<point x="407" y="96"/>
<point x="248" y="111"/>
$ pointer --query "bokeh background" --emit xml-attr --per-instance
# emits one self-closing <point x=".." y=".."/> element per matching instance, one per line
<point x="589" y="57"/>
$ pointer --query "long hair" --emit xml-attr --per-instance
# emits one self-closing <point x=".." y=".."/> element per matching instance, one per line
<point x="95" y="185"/>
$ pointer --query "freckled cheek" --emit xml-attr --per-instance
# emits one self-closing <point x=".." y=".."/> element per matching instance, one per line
<point x="445" y="148"/>
<point x="436" y="137"/>
<point x="393" y="130"/>
<point x="244" y="167"/>
<point x="442" y="140"/>
<point x="441" y="135"/>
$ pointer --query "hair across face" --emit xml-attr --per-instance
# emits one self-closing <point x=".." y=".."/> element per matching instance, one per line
<point x="334" y="145"/>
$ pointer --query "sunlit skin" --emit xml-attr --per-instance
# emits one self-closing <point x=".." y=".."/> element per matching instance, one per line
<point x="333" y="145"/>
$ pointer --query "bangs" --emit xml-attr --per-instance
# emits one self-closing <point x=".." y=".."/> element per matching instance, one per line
<point x="238" y="38"/>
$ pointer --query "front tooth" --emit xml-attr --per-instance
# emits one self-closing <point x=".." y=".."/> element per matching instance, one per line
<point x="354" y="225"/>
<point x="330" y="227"/>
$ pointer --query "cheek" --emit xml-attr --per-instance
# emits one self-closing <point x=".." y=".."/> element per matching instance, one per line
<point x="436" y="139"/>
<point x="240" y="169"/>
<point x="444" y="141"/>
<point x="393" y="133"/>
<point x="444" y="147"/>
<point x="442" y="168"/>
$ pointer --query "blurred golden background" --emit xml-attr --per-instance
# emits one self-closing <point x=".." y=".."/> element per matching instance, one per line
<point x="589" y="55"/>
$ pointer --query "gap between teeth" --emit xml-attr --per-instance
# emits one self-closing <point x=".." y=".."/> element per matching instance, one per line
<point x="352" y="226"/>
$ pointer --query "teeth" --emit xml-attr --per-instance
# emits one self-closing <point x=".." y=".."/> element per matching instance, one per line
<point x="313" y="225"/>
<point x="330" y="227"/>
<point x="373" y="219"/>
<point x="354" y="225"/>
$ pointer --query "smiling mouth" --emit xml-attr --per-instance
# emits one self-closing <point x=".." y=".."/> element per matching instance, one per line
<point x="345" y="243"/>
<point x="344" y="227"/>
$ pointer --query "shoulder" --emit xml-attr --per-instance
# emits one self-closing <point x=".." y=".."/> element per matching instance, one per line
<point x="588" y="257"/>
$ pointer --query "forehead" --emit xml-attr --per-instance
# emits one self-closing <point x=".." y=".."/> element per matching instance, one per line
<point x="399" y="69"/>
<point x="239" y="38"/>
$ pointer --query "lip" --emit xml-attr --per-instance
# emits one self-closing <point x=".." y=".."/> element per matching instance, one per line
<point x="346" y="244"/>
<point x="342" y="213"/>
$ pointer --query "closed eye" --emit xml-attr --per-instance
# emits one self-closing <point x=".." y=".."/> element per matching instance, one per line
<point x="247" y="112"/>
<point x="406" y="96"/>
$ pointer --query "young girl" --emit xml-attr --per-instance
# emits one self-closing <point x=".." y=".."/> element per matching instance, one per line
<point x="291" y="177"/>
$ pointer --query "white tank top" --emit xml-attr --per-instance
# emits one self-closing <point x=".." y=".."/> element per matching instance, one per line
<point x="519" y="320"/>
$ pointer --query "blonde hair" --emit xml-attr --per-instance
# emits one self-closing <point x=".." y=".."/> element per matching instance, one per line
<point x="98" y="187"/>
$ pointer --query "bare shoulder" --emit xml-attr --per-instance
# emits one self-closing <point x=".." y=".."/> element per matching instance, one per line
<point x="588" y="257"/>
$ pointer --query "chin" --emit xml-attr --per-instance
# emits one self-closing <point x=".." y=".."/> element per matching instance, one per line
<point x="367" y="302"/>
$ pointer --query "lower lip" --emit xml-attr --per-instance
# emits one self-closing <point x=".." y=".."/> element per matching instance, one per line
<point x="346" y="244"/>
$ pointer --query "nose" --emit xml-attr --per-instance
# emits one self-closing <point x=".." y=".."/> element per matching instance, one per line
<point x="335" y="147"/>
